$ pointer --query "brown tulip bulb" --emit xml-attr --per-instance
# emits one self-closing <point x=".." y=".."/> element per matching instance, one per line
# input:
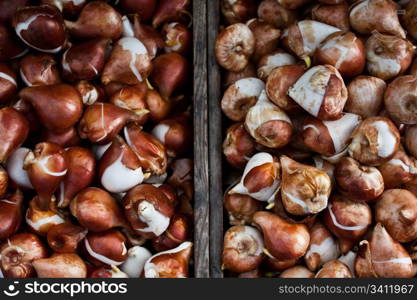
<point x="238" y="11"/>
<point x="365" y="96"/>
<point x="279" y="81"/>
<point x="58" y="106"/>
<point x="334" y="269"/>
<point x="374" y="141"/>
<point x="40" y="27"/>
<point x="234" y="46"/>
<point x="388" y="56"/>
<point x="102" y="121"/>
<point x="261" y="178"/>
<point x="334" y="15"/>
<point x="137" y="257"/>
<point x="18" y="253"/>
<point x="119" y="169"/>
<point x="275" y="14"/>
<point x="169" y="10"/>
<point x="65" y="237"/>
<point x="27" y="110"/>
<point x="304" y="189"/>
<point x="279" y="265"/>
<point x="14" y="128"/>
<point x="367" y="16"/>
<point x="344" y="51"/>
<point x="105" y="248"/>
<point x="174" y="134"/>
<point x="329" y="96"/>
<point x="242" y="249"/>
<point x="169" y="74"/>
<point x="144" y="8"/>
<point x="8" y="85"/>
<point x="268" y="124"/>
<point x="399" y="170"/>
<point x="381" y="256"/>
<point x="148" y="210"/>
<point x="400" y="99"/>
<point x="329" y="137"/>
<point x="408" y="19"/>
<point x="46" y="166"/>
<point x="266" y="38"/>
<point x="132" y="98"/>
<point x="358" y="182"/>
<point x="129" y="62"/>
<point x="172" y="263"/>
<point x="177" y="232"/>
<point x="396" y="211"/>
<point x="148" y="149"/>
<point x="323" y="247"/>
<point x="97" y="210"/>
<point x="240" y="96"/>
<point x="39" y="69"/>
<point x="238" y="146"/>
<point x="85" y="61"/>
<point x="10" y="214"/>
<point x="97" y="20"/>
<point x="304" y="37"/>
<point x="67" y="265"/>
<point x="80" y="174"/>
<point x="348" y="220"/>
<point x="178" y="38"/>
<point x="283" y="240"/>
<point x="40" y="220"/>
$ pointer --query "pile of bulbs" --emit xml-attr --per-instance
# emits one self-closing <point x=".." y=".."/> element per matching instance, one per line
<point x="95" y="138"/>
<point x="322" y="96"/>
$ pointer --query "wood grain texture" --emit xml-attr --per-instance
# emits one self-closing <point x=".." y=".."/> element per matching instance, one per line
<point x="201" y="168"/>
<point x="215" y="143"/>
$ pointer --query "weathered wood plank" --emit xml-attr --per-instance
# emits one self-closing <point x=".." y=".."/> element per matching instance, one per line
<point x="215" y="143"/>
<point x="201" y="168"/>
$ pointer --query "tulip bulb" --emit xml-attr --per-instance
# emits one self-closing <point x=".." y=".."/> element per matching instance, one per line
<point x="65" y="237"/>
<point x="169" y="264"/>
<point x="58" y="106"/>
<point x="129" y="62"/>
<point x="283" y="240"/>
<point x="40" y="27"/>
<point x="96" y="20"/>
<point x="382" y="256"/>
<point x="304" y="189"/>
<point x="41" y="220"/>
<point x="46" y="167"/>
<point x="97" y="210"/>
<point x="120" y="169"/>
<point x="242" y="249"/>
<point x="321" y="91"/>
<point x="18" y="253"/>
<point x="148" y="210"/>
<point x="261" y="178"/>
<point x="66" y="265"/>
<point x="268" y="124"/>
